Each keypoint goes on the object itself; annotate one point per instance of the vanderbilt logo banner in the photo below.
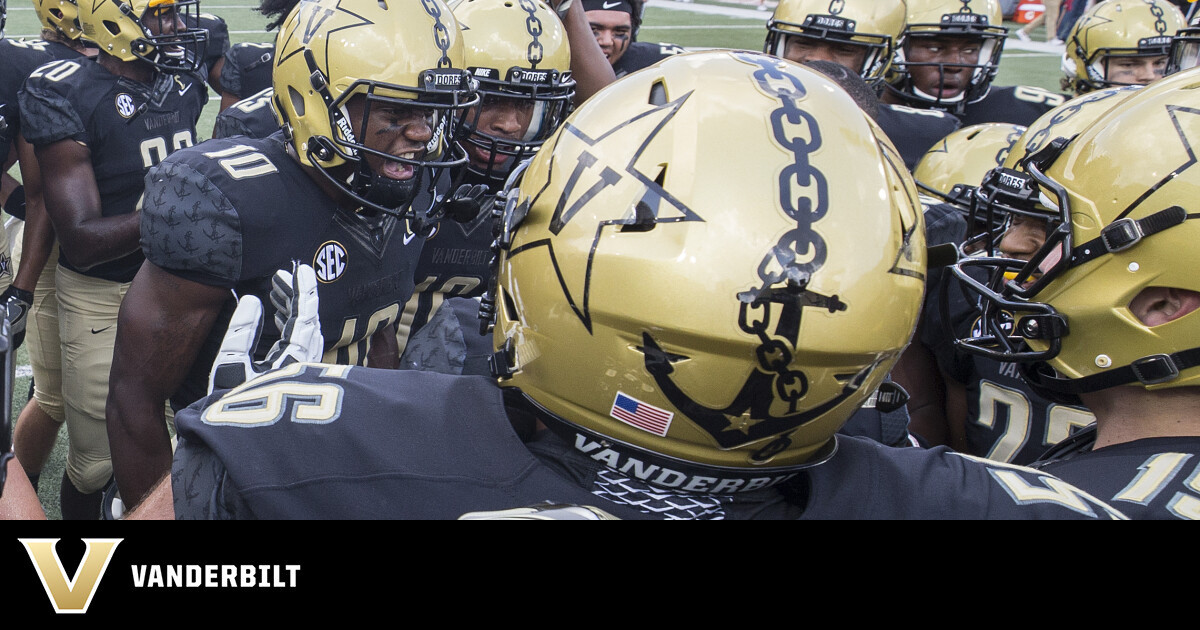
(70, 594)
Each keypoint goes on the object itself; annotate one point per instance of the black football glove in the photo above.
(17, 303)
(467, 202)
(301, 339)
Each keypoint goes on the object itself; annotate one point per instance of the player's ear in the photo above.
(1159, 305)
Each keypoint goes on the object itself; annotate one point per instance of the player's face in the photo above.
(613, 31)
(949, 80)
(164, 19)
(394, 129)
(502, 118)
(801, 49)
(1135, 70)
(1024, 237)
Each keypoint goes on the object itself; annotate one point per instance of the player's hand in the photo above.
(467, 202)
(17, 303)
(300, 341)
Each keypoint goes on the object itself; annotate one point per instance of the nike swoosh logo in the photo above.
(408, 237)
(608, 5)
(184, 90)
(97, 332)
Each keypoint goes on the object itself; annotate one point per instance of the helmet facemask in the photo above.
(439, 107)
(982, 71)
(1185, 50)
(833, 31)
(515, 116)
(168, 42)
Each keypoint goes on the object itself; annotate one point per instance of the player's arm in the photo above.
(73, 205)
(917, 372)
(18, 501)
(163, 322)
(384, 351)
(38, 238)
(588, 64)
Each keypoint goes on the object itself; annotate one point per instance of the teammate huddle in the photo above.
(496, 278)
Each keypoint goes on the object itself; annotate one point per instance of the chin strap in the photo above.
(1152, 369)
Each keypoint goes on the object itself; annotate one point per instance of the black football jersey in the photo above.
(643, 55)
(360, 443)
(1151, 478)
(218, 39)
(914, 131)
(1006, 420)
(454, 263)
(252, 117)
(1014, 104)
(231, 212)
(126, 128)
(18, 59)
(247, 68)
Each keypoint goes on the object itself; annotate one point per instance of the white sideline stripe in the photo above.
(24, 370)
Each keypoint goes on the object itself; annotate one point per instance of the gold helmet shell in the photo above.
(1117, 28)
(964, 156)
(708, 324)
(874, 25)
(61, 16)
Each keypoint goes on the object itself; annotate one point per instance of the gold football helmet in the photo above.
(956, 164)
(1006, 191)
(872, 25)
(398, 56)
(61, 16)
(519, 54)
(980, 20)
(1115, 29)
(1116, 231)
(154, 31)
(707, 325)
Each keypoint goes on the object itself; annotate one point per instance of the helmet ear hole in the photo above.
(112, 27)
(658, 94)
(297, 101)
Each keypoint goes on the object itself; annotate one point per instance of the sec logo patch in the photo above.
(125, 106)
(330, 261)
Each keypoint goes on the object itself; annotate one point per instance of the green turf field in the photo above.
(664, 22)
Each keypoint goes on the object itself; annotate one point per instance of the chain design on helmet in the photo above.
(441, 34)
(1160, 25)
(748, 417)
(1043, 136)
(533, 26)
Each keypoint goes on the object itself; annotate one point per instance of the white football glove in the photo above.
(300, 339)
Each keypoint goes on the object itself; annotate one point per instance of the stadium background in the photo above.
(693, 25)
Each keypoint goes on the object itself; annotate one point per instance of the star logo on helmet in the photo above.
(590, 189)
(311, 19)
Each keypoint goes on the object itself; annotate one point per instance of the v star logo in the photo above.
(595, 198)
(73, 595)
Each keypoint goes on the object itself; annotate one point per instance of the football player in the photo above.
(370, 98)
(675, 337)
(947, 58)
(1104, 313)
(31, 298)
(99, 126)
(860, 35)
(519, 54)
(615, 25)
(246, 66)
(1120, 42)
